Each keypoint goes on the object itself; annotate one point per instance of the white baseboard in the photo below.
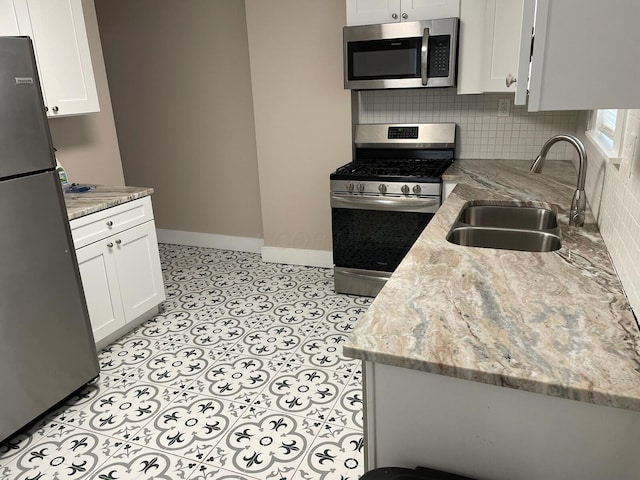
(210, 240)
(291, 256)
(298, 256)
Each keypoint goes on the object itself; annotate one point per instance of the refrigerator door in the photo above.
(46, 345)
(25, 142)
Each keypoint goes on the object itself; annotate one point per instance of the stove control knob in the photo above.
(349, 187)
(404, 189)
(382, 188)
(417, 189)
(361, 187)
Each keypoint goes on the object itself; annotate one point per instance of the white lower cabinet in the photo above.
(121, 274)
(101, 289)
(486, 431)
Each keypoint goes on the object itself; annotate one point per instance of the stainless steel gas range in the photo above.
(384, 198)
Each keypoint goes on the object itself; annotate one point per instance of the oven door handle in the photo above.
(390, 204)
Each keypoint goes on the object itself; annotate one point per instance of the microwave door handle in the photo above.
(424, 56)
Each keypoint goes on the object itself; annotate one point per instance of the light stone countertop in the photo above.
(554, 323)
(100, 198)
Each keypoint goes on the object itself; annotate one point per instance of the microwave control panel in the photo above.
(439, 50)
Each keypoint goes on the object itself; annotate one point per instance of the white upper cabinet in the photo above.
(61, 46)
(490, 32)
(365, 12)
(586, 55)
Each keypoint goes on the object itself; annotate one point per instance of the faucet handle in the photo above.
(578, 207)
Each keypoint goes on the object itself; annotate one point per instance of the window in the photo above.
(605, 129)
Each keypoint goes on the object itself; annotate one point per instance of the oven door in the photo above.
(371, 236)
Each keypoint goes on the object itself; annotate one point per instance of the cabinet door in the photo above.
(139, 272)
(489, 48)
(101, 289)
(585, 55)
(8, 19)
(503, 21)
(413, 10)
(366, 12)
(58, 32)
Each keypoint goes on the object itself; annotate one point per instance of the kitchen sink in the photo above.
(504, 238)
(509, 216)
(508, 227)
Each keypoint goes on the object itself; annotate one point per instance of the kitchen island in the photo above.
(456, 325)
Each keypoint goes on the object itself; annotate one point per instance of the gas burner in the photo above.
(394, 170)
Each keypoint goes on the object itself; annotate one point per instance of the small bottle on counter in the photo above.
(62, 174)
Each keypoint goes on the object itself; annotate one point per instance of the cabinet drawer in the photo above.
(97, 226)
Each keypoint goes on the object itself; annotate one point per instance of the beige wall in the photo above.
(87, 144)
(302, 115)
(181, 92)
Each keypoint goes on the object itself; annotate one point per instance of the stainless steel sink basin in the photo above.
(508, 216)
(508, 227)
(504, 238)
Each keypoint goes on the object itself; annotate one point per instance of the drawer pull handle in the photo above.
(110, 244)
(118, 242)
(109, 223)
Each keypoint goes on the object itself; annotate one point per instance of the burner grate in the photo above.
(404, 168)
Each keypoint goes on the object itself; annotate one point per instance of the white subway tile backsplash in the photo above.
(615, 200)
(481, 133)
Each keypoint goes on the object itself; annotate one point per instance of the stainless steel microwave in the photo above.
(401, 55)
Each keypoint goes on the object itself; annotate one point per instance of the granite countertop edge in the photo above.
(561, 323)
(101, 197)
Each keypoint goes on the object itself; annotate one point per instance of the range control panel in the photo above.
(402, 132)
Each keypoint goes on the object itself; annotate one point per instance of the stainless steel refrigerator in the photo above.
(46, 345)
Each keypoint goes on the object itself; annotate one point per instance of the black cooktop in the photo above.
(402, 170)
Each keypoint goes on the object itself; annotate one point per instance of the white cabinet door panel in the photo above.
(489, 48)
(59, 35)
(139, 272)
(585, 55)
(101, 289)
(502, 45)
(366, 12)
(428, 9)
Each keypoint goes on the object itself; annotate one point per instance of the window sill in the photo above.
(602, 144)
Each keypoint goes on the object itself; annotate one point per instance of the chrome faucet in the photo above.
(579, 201)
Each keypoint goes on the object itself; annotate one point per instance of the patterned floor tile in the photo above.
(124, 356)
(73, 454)
(133, 462)
(166, 324)
(240, 376)
(190, 427)
(265, 444)
(337, 454)
(209, 472)
(304, 391)
(348, 410)
(176, 366)
(124, 409)
(326, 352)
(295, 313)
